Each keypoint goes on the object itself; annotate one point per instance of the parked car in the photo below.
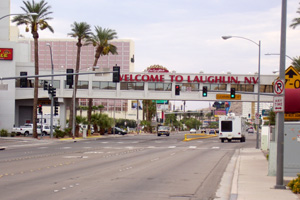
(193, 130)
(212, 132)
(163, 130)
(118, 130)
(250, 130)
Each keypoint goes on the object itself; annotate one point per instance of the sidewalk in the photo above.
(251, 181)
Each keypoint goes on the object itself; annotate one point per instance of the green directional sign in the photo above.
(161, 101)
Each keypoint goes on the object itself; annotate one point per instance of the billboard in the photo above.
(6, 54)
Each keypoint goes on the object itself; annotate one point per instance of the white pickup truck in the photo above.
(27, 130)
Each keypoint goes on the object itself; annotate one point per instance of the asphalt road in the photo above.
(143, 167)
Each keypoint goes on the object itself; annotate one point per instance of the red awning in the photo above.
(292, 101)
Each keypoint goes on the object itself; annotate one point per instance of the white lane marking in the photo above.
(75, 157)
(215, 147)
(104, 142)
(94, 152)
(127, 168)
(43, 147)
(151, 147)
(87, 147)
(129, 147)
(56, 190)
(66, 147)
(172, 147)
(192, 147)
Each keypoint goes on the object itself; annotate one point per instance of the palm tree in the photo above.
(82, 32)
(296, 21)
(100, 41)
(35, 23)
(296, 63)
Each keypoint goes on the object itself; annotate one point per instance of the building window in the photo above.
(190, 87)
(243, 87)
(56, 83)
(266, 89)
(160, 86)
(215, 86)
(83, 85)
(104, 85)
(132, 86)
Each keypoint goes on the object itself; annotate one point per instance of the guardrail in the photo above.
(202, 136)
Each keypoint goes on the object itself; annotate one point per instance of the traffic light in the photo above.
(204, 91)
(45, 85)
(70, 77)
(56, 104)
(116, 74)
(49, 89)
(177, 90)
(23, 81)
(232, 93)
(40, 109)
(53, 92)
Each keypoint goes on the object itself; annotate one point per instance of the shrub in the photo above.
(61, 134)
(294, 185)
(3, 133)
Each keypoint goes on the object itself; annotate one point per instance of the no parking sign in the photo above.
(279, 87)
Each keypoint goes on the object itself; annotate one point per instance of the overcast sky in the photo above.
(185, 35)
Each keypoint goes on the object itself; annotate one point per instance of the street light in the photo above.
(258, 82)
(52, 70)
(27, 14)
(278, 54)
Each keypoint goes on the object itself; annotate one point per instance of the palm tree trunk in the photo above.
(79, 45)
(36, 83)
(97, 56)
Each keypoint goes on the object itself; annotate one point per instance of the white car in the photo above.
(193, 130)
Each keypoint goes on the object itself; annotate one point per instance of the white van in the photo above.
(232, 127)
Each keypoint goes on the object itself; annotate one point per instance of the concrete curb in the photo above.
(225, 188)
(234, 187)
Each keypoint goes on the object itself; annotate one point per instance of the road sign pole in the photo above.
(280, 115)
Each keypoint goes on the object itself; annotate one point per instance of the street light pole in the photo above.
(278, 54)
(51, 112)
(258, 82)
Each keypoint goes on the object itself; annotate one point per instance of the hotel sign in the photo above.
(6, 54)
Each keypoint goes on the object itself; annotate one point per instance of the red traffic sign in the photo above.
(278, 87)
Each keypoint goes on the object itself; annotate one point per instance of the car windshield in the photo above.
(163, 128)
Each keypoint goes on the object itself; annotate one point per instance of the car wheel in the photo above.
(229, 140)
(26, 134)
(168, 134)
(222, 140)
(158, 135)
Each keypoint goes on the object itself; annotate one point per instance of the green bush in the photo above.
(3, 133)
(61, 134)
(294, 185)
